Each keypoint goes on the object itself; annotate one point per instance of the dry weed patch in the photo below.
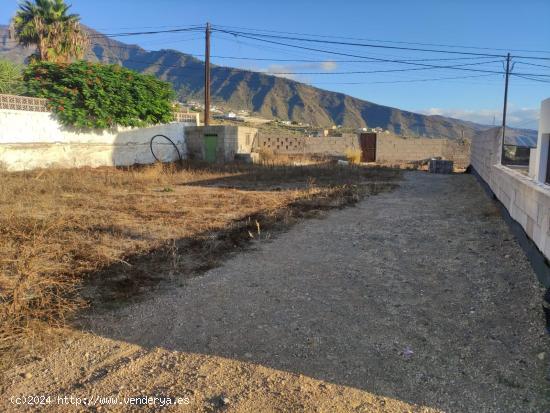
(69, 238)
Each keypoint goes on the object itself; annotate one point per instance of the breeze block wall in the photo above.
(389, 148)
(308, 145)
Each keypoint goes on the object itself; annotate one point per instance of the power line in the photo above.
(365, 58)
(302, 39)
(372, 58)
(280, 73)
(409, 80)
(386, 41)
(415, 62)
(332, 60)
(193, 28)
(298, 60)
(121, 60)
(530, 78)
(244, 34)
(126, 34)
(381, 71)
(346, 83)
(370, 45)
(143, 27)
(532, 64)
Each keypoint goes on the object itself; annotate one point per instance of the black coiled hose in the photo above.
(169, 140)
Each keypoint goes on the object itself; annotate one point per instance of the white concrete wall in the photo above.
(543, 144)
(30, 140)
(527, 200)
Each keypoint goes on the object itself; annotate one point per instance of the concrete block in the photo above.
(440, 166)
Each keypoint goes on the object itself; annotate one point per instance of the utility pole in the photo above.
(207, 77)
(508, 58)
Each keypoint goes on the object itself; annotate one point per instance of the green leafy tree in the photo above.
(11, 78)
(48, 25)
(91, 95)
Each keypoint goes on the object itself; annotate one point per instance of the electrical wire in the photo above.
(386, 41)
(384, 60)
(381, 71)
(116, 60)
(126, 34)
(190, 29)
(369, 45)
(532, 64)
(267, 38)
(530, 78)
(411, 80)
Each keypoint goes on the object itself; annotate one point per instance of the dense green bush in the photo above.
(91, 95)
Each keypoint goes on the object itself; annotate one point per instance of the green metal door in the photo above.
(210, 148)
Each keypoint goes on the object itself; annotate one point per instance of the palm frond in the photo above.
(48, 25)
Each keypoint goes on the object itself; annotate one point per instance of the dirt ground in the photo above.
(85, 236)
(416, 300)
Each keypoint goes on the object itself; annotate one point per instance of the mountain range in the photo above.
(266, 95)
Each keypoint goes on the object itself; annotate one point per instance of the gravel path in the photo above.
(415, 300)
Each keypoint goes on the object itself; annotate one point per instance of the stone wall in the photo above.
(30, 140)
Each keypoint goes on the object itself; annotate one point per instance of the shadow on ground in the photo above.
(276, 177)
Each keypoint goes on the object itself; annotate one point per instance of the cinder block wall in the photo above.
(527, 201)
(459, 152)
(390, 148)
(333, 146)
(30, 140)
(296, 145)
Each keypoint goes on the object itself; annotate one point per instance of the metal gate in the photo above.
(368, 147)
(210, 148)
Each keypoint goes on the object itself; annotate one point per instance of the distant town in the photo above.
(222, 113)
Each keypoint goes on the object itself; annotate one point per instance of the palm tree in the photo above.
(58, 35)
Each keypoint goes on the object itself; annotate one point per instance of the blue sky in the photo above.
(506, 24)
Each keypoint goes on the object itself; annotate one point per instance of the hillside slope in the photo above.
(265, 95)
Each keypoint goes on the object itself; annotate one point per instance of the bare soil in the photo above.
(416, 300)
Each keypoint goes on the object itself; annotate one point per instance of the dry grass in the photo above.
(69, 238)
(354, 156)
(269, 157)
